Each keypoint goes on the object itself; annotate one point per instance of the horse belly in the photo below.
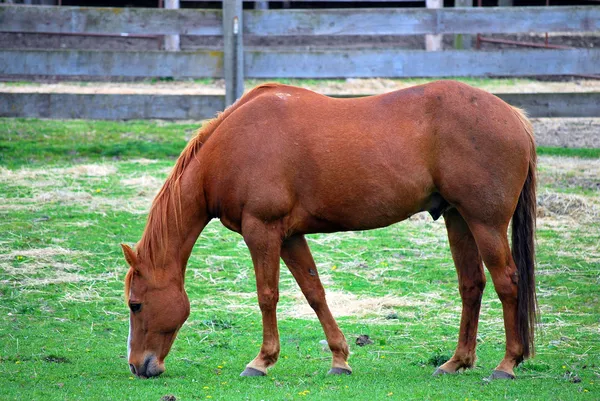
(368, 204)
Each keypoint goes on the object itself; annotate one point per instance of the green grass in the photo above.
(591, 153)
(71, 191)
(27, 141)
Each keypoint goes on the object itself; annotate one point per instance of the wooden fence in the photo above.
(199, 107)
(401, 21)
(236, 62)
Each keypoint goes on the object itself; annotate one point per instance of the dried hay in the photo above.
(569, 172)
(63, 196)
(38, 267)
(552, 204)
(41, 253)
(342, 304)
(25, 177)
(348, 304)
(53, 177)
(91, 170)
(83, 295)
(146, 185)
(142, 161)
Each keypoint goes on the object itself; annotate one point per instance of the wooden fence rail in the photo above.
(301, 22)
(199, 107)
(303, 64)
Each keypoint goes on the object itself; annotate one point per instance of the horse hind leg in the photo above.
(471, 282)
(296, 255)
(264, 243)
(495, 251)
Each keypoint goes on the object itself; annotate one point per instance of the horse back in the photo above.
(327, 164)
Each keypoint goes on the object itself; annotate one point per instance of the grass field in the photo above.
(70, 192)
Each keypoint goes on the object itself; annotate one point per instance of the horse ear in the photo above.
(130, 255)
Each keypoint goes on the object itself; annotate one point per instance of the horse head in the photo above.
(158, 307)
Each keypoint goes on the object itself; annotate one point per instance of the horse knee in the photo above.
(472, 291)
(315, 299)
(267, 300)
(505, 285)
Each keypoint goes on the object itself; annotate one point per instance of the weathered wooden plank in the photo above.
(302, 22)
(417, 63)
(304, 64)
(110, 20)
(110, 107)
(423, 21)
(556, 104)
(109, 63)
(198, 107)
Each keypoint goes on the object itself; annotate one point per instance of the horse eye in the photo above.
(135, 307)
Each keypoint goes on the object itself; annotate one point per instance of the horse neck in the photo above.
(177, 217)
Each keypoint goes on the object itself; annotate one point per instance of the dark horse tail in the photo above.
(523, 249)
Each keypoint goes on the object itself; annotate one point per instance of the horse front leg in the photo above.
(264, 242)
(296, 255)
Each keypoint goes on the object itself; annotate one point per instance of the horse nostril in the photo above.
(132, 368)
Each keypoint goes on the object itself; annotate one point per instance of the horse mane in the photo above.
(169, 196)
(156, 232)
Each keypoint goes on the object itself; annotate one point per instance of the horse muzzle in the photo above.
(149, 368)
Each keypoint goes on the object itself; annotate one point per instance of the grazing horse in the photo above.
(283, 162)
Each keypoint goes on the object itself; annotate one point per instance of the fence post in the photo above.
(433, 42)
(172, 41)
(463, 41)
(233, 52)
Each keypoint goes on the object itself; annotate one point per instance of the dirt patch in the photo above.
(56, 359)
(363, 340)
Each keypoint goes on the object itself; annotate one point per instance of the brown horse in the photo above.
(283, 162)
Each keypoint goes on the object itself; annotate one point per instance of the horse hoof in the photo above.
(498, 374)
(339, 371)
(252, 372)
